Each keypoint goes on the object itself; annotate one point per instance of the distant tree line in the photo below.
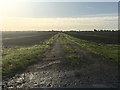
(101, 30)
(95, 30)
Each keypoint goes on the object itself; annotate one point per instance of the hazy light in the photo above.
(12, 23)
(15, 16)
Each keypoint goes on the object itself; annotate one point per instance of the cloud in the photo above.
(83, 23)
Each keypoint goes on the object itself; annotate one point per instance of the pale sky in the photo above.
(58, 16)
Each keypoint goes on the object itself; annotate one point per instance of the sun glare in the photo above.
(11, 19)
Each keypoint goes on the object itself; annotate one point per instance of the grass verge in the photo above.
(17, 59)
(106, 50)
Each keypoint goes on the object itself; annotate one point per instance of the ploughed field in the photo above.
(58, 59)
(98, 36)
(25, 38)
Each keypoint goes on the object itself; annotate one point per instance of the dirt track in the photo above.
(55, 70)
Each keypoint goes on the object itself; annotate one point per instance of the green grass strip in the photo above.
(15, 60)
(107, 50)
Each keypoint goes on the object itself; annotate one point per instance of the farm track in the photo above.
(55, 70)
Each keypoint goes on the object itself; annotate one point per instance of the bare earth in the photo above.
(55, 71)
